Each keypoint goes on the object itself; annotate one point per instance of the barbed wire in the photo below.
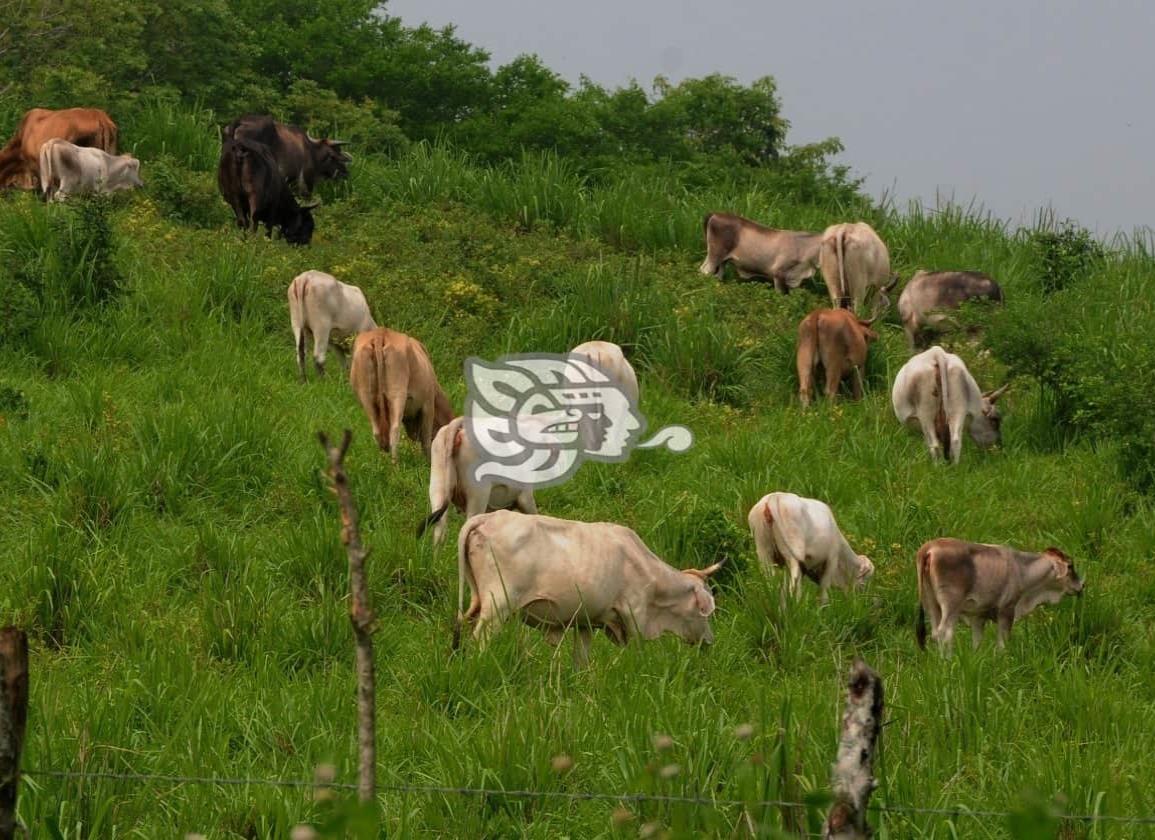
(580, 796)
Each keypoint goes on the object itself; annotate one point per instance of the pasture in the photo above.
(168, 541)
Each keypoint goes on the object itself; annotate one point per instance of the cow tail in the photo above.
(942, 427)
(442, 476)
(463, 571)
(379, 394)
(920, 625)
(299, 291)
(840, 251)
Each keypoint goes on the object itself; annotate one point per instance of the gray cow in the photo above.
(928, 293)
(785, 256)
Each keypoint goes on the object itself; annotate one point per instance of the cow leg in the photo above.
(856, 383)
(525, 502)
(833, 380)
(780, 285)
(977, 627)
(946, 626)
(1006, 622)
(396, 413)
(581, 647)
(320, 345)
(299, 339)
(957, 424)
(926, 421)
(426, 432)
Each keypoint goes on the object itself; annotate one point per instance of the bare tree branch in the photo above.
(854, 769)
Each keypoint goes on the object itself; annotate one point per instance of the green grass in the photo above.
(170, 546)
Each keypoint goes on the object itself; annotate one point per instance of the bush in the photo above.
(83, 270)
(19, 309)
(1064, 255)
(184, 196)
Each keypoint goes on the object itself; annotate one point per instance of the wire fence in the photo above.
(579, 796)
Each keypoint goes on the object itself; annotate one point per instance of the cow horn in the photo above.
(998, 392)
(338, 142)
(706, 572)
(893, 282)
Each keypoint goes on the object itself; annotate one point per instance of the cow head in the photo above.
(131, 172)
(865, 572)
(986, 430)
(1066, 580)
(329, 158)
(299, 229)
(687, 611)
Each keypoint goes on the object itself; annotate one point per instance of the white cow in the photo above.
(610, 360)
(853, 259)
(451, 481)
(67, 169)
(801, 535)
(321, 304)
(936, 393)
(586, 575)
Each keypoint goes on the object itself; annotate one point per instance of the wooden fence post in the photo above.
(854, 769)
(13, 716)
(361, 616)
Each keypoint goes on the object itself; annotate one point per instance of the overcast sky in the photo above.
(1019, 104)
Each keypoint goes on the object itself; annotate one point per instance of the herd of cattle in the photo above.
(563, 575)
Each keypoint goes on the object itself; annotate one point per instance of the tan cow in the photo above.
(785, 256)
(20, 157)
(801, 535)
(322, 305)
(393, 378)
(451, 481)
(67, 169)
(853, 261)
(610, 360)
(560, 574)
(837, 339)
(927, 293)
(986, 583)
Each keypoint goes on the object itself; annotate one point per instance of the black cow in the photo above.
(300, 158)
(252, 185)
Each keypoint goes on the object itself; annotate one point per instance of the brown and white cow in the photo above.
(452, 481)
(393, 378)
(559, 574)
(838, 340)
(322, 305)
(801, 535)
(610, 360)
(67, 169)
(854, 260)
(986, 583)
(929, 292)
(785, 256)
(20, 157)
(936, 393)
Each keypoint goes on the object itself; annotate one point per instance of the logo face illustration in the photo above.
(533, 418)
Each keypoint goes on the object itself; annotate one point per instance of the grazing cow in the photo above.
(20, 158)
(451, 481)
(250, 182)
(929, 291)
(610, 360)
(587, 575)
(321, 304)
(986, 583)
(300, 158)
(393, 378)
(936, 393)
(801, 535)
(853, 260)
(838, 340)
(67, 169)
(785, 256)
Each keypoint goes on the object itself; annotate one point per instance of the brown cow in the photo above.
(393, 378)
(785, 256)
(986, 583)
(20, 158)
(837, 339)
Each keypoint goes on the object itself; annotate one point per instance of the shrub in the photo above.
(184, 196)
(83, 270)
(19, 309)
(1064, 255)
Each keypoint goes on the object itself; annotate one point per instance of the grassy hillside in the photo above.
(167, 539)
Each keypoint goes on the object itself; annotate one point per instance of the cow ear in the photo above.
(1059, 562)
(704, 601)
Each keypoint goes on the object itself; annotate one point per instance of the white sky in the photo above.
(1019, 104)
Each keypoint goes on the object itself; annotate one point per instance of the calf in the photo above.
(393, 378)
(930, 291)
(801, 535)
(451, 481)
(586, 575)
(610, 360)
(936, 393)
(785, 256)
(986, 583)
(322, 305)
(838, 340)
(67, 169)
